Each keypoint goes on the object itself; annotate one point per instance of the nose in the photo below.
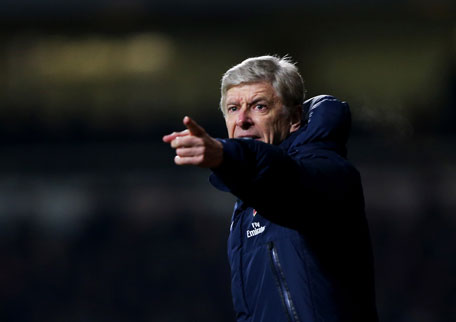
(243, 119)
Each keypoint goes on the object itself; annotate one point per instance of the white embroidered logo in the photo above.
(257, 229)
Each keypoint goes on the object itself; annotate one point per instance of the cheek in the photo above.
(266, 127)
(272, 123)
(278, 125)
(229, 127)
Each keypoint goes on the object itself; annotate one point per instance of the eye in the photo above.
(231, 109)
(260, 107)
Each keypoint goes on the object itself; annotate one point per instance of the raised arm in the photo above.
(275, 183)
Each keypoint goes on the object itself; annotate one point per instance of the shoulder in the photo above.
(324, 99)
(325, 126)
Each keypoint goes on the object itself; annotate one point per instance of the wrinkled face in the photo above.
(255, 110)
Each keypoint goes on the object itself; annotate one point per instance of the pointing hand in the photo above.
(194, 146)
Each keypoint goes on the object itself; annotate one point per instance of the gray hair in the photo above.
(280, 72)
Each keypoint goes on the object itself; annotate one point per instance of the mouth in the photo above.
(248, 137)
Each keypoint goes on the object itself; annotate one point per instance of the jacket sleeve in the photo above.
(277, 184)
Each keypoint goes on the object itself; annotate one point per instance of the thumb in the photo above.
(194, 128)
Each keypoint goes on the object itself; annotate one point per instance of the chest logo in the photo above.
(257, 229)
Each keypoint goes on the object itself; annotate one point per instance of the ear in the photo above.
(295, 118)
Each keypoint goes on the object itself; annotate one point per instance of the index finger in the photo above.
(170, 137)
(194, 128)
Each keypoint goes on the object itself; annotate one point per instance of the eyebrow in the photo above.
(231, 102)
(259, 99)
(256, 100)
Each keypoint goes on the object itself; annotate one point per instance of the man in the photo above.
(299, 245)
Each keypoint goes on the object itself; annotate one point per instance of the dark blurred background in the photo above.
(97, 224)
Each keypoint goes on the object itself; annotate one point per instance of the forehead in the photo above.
(249, 91)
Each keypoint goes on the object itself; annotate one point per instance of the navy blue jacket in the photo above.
(299, 247)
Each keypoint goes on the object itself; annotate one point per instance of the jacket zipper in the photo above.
(282, 284)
